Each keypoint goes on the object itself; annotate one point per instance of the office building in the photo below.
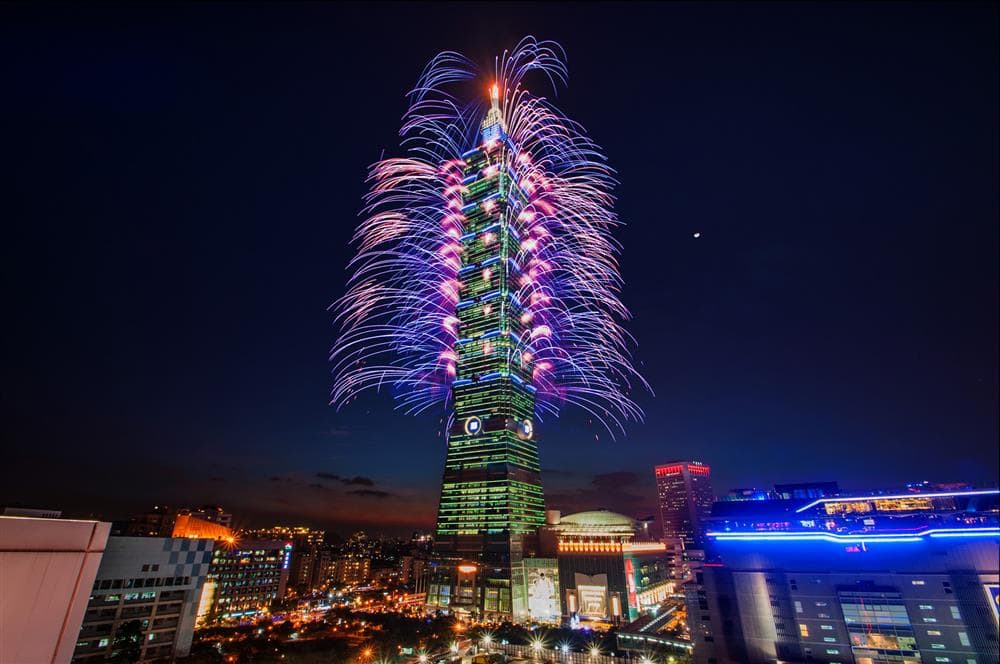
(47, 567)
(684, 494)
(244, 580)
(908, 577)
(144, 599)
(311, 558)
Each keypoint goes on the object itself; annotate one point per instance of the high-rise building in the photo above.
(245, 579)
(491, 496)
(144, 600)
(894, 577)
(47, 567)
(311, 558)
(684, 491)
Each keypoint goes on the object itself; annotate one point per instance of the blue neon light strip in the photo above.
(461, 381)
(471, 178)
(854, 539)
(861, 499)
(469, 153)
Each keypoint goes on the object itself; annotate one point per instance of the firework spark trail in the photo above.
(397, 319)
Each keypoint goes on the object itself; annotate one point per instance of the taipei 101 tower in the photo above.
(486, 288)
(491, 496)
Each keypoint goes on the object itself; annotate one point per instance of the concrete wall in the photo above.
(47, 569)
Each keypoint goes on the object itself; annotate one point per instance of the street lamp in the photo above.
(564, 648)
(422, 658)
(594, 651)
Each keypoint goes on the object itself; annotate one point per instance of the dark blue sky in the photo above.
(180, 183)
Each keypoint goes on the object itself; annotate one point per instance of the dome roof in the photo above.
(601, 520)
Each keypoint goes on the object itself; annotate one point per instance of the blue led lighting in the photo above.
(471, 178)
(461, 381)
(861, 499)
(469, 153)
(853, 539)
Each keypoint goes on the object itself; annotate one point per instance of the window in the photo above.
(955, 614)
(937, 646)
(918, 582)
(829, 639)
(102, 643)
(803, 630)
(933, 632)
(832, 651)
(942, 659)
(826, 627)
(798, 607)
(963, 638)
(820, 603)
(156, 568)
(926, 607)
(145, 568)
(931, 620)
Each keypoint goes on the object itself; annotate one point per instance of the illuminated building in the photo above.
(160, 521)
(144, 600)
(486, 287)
(802, 490)
(311, 558)
(606, 572)
(892, 577)
(350, 570)
(491, 495)
(246, 578)
(47, 567)
(186, 525)
(684, 493)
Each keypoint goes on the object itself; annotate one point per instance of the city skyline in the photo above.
(809, 253)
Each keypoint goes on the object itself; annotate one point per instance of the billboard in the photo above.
(543, 593)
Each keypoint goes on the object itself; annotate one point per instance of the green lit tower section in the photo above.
(491, 497)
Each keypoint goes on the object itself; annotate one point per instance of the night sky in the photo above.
(180, 184)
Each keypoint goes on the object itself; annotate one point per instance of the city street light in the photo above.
(422, 658)
(565, 648)
(594, 651)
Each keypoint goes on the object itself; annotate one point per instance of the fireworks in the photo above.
(399, 319)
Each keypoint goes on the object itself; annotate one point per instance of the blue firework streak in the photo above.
(398, 324)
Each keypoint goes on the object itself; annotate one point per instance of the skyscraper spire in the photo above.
(493, 123)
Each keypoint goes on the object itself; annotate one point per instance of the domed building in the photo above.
(607, 572)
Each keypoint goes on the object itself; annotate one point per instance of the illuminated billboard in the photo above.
(543, 593)
(592, 595)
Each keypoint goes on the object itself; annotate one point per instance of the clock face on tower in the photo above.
(473, 425)
(525, 429)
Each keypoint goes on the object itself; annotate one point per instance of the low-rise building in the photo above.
(143, 600)
(911, 577)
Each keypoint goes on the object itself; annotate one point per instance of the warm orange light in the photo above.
(495, 91)
(467, 569)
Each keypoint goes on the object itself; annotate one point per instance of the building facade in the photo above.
(684, 495)
(491, 495)
(144, 599)
(890, 578)
(244, 580)
(47, 567)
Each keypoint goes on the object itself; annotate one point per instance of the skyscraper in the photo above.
(491, 495)
(685, 496)
(486, 285)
